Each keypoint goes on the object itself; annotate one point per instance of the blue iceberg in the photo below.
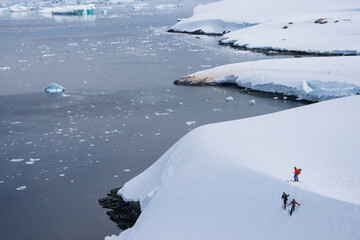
(54, 88)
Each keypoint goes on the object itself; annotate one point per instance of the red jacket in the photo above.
(297, 171)
(293, 203)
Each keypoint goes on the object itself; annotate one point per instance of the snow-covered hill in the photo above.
(315, 26)
(312, 79)
(225, 180)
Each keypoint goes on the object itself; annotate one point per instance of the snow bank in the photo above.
(225, 180)
(281, 25)
(311, 79)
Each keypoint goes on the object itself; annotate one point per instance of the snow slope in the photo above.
(282, 24)
(312, 79)
(225, 180)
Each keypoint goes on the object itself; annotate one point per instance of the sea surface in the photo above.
(119, 114)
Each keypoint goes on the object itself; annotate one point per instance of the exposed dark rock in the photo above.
(123, 213)
(285, 27)
(272, 52)
(321, 20)
(197, 32)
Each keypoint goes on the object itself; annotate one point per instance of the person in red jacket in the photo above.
(296, 173)
(292, 203)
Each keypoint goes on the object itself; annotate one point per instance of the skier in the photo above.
(296, 173)
(285, 198)
(292, 203)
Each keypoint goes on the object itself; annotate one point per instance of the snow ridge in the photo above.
(225, 180)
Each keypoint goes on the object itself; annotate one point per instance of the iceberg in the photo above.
(18, 8)
(54, 88)
(75, 10)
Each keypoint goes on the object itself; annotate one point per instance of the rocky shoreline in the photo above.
(273, 52)
(123, 213)
(266, 51)
(197, 32)
(191, 81)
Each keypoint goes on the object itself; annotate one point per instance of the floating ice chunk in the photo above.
(54, 88)
(62, 175)
(34, 159)
(103, 11)
(140, 6)
(18, 8)
(115, 176)
(29, 163)
(28, 143)
(190, 123)
(1, 182)
(229, 99)
(168, 6)
(252, 102)
(17, 160)
(275, 98)
(127, 170)
(216, 109)
(49, 55)
(21, 188)
(161, 114)
(4, 68)
(72, 44)
(13, 123)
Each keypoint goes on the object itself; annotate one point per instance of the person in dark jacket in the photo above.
(285, 198)
(292, 203)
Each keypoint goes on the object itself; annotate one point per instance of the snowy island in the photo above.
(225, 180)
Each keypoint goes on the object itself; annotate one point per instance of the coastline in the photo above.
(267, 51)
(197, 82)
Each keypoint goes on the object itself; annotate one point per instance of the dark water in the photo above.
(120, 112)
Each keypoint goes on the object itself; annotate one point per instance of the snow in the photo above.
(225, 180)
(311, 79)
(280, 25)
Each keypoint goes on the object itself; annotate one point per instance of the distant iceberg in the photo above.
(75, 10)
(54, 88)
(18, 8)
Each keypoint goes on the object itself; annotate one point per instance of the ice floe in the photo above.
(22, 188)
(17, 160)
